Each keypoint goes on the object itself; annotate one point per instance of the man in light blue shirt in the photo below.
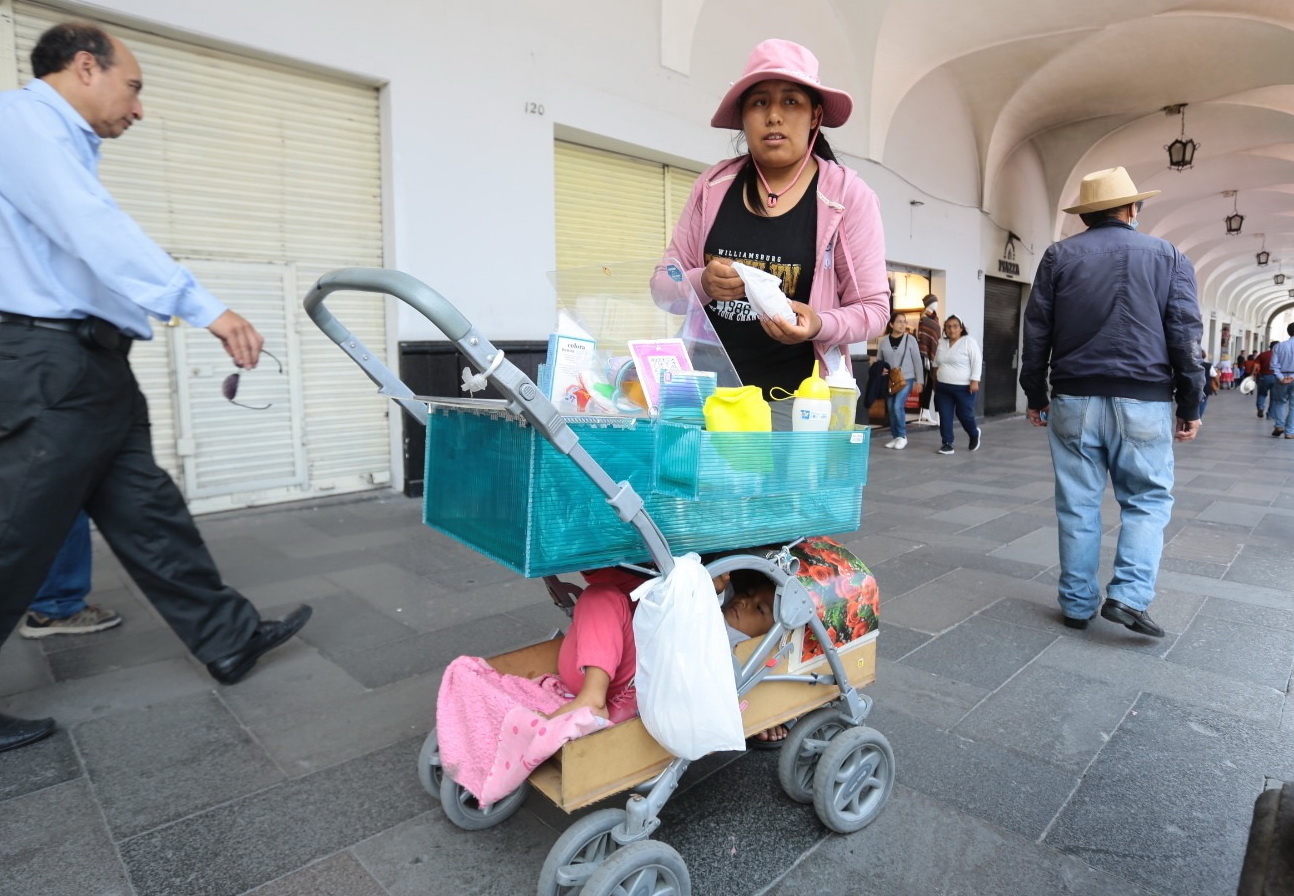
(78, 282)
(1283, 387)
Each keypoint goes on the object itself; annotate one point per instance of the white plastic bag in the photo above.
(687, 691)
(764, 292)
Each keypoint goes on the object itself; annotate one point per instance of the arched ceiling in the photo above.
(1085, 85)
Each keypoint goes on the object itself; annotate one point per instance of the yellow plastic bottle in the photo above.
(811, 410)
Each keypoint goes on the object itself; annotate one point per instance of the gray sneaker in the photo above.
(91, 619)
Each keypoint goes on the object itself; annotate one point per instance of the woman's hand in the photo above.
(807, 325)
(721, 282)
(974, 386)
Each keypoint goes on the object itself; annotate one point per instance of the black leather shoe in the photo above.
(1074, 622)
(15, 733)
(1137, 620)
(268, 635)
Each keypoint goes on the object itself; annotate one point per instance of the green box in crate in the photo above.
(498, 486)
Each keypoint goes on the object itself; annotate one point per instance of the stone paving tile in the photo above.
(1257, 567)
(23, 667)
(303, 681)
(242, 844)
(1237, 591)
(903, 574)
(1154, 675)
(896, 641)
(43, 764)
(1206, 543)
(351, 726)
(1237, 650)
(117, 648)
(76, 701)
(938, 606)
(873, 549)
(429, 855)
(345, 622)
(1060, 717)
(1194, 567)
(980, 652)
(940, 701)
(1234, 513)
(166, 761)
(920, 846)
(77, 861)
(434, 650)
(337, 875)
(982, 779)
(1170, 798)
(1235, 611)
(1039, 547)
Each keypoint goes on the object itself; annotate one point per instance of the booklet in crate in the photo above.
(844, 593)
(652, 357)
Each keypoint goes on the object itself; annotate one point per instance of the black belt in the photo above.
(91, 331)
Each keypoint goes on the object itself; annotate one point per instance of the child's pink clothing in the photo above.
(602, 635)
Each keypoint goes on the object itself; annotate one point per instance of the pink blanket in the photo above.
(490, 729)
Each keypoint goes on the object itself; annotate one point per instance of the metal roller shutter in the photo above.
(260, 178)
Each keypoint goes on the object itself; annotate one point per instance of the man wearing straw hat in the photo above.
(1114, 315)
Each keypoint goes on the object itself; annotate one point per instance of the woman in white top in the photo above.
(899, 349)
(958, 365)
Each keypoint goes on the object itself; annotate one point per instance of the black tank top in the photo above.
(784, 246)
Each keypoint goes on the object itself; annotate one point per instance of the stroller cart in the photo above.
(546, 494)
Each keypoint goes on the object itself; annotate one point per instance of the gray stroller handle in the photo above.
(524, 397)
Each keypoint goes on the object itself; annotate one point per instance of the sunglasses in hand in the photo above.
(229, 388)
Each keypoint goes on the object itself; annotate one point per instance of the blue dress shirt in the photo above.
(1283, 359)
(66, 249)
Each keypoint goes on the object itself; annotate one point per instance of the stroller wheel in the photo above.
(580, 851)
(645, 868)
(430, 771)
(853, 780)
(463, 810)
(804, 745)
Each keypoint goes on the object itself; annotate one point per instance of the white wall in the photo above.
(469, 186)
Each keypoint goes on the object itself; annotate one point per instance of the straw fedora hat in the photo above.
(1109, 188)
(782, 60)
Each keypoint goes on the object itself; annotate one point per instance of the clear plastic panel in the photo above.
(617, 302)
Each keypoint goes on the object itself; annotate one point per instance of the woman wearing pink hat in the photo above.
(788, 207)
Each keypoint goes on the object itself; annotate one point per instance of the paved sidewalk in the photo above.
(1032, 759)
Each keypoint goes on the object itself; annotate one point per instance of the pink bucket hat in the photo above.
(782, 60)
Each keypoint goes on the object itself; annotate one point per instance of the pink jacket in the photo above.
(850, 285)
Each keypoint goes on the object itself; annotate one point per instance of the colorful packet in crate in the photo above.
(844, 593)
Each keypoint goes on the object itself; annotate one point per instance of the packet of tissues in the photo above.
(764, 292)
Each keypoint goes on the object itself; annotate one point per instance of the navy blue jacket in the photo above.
(1114, 312)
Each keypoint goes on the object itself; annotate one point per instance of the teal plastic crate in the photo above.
(499, 487)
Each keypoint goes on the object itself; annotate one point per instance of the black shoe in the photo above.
(15, 733)
(945, 448)
(1277, 432)
(974, 441)
(1137, 620)
(1261, 415)
(1073, 622)
(268, 635)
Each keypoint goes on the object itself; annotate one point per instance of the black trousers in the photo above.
(74, 432)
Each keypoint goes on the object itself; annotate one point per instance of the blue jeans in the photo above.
(1283, 405)
(898, 414)
(1265, 383)
(68, 582)
(950, 400)
(1131, 443)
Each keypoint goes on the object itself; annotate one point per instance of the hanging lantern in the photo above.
(1235, 220)
(1181, 152)
(1280, 279)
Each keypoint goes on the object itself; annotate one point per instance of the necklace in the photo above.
(773, 197)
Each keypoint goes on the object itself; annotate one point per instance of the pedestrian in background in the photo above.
(900, 351)
(1283, 387)
(1266, 379)
(958, 366)
(1114, 316)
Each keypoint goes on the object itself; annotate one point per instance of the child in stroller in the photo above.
(597, 659)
